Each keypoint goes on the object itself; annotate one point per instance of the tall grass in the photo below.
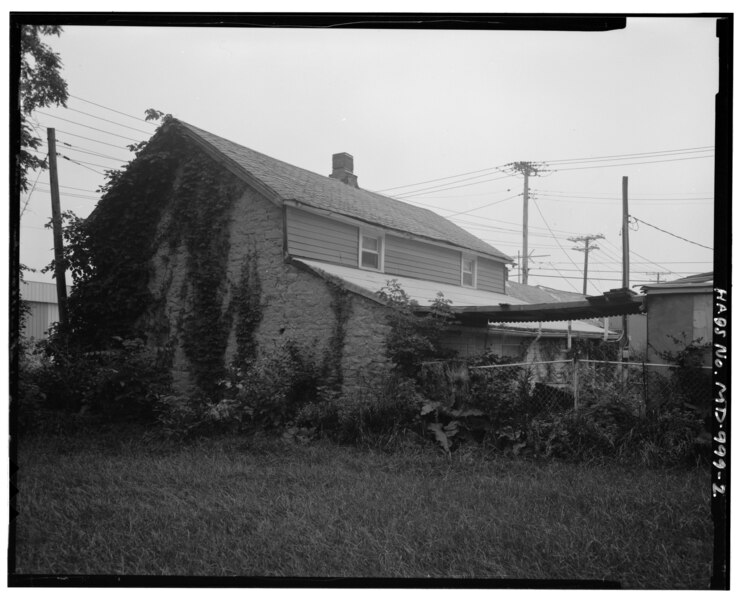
(271, 508)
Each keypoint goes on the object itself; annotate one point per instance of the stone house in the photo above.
(237, 254)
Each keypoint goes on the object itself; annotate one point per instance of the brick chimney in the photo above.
(342, 167)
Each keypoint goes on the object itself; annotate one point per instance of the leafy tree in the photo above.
(41, 85)
(414, 338)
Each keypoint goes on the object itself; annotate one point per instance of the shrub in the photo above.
(380, 413)
(120, 384)
(414, 338)
(265, 393)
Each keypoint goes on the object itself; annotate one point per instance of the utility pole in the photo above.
(519, 262)
(527, 169)
(56, 220)
(658, 274)
(626, 259)
(588, 247)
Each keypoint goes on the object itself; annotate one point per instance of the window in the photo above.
(371, 248)
(468, 271)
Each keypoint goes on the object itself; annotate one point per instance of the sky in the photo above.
(432, 118)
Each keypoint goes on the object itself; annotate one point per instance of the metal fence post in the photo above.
(576, 384)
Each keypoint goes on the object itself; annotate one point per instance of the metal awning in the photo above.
(610, 304)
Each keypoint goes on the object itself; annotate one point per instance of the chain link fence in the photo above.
(550, 387)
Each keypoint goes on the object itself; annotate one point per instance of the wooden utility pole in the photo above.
(626, 257)
(56, 220)
(658, 274)
(588, 247)
(527, 169)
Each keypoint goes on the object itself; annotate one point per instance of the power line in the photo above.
(33, 187)
(72, 195)
(92, 139)
(87, 126)
(83, 165)
(632, 155)
(567, 277)
(463, 212)
(556, 239)
(591, 199)
(647, 162)
(82, 112)
(98, 154)
(562, 277)
(611, 195)
(656, 153)
(440, 179)
(113, 110)
(670, 233)
(443, 188)
(640, 256)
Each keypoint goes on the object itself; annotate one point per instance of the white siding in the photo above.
(490, 276)
(312, 236)
(410, 258)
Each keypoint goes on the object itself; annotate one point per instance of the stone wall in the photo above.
(295, 305)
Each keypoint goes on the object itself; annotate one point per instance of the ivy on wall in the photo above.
(341, 306)
(112, 251)
(247, 309)
(109, 253)
(203, 199)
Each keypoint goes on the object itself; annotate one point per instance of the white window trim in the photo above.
(381, 248)
(464, 258)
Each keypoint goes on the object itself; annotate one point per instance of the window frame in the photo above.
(371, 234)
(474, 272)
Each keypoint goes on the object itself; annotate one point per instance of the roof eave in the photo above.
(232, 166)
(591, 308)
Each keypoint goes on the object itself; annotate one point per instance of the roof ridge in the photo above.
(290, 182)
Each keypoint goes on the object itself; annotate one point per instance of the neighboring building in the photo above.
(679, 312)
(41, 299)
(312, 252)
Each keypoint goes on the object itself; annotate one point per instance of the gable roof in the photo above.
(287, 182)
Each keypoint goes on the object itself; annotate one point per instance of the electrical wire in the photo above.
(92, 140)
(82, 112)
(33, 187)
(88, 126)
(112, 110)
(83, 165)
(695, 150)
(440, 179)
(78, 149)
(463, 212)
(556, 239)
(647, 162)
(443, 188)
(670, 233)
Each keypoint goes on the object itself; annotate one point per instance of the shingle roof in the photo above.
(318, 191)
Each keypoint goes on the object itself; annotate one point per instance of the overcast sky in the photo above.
(415, 106)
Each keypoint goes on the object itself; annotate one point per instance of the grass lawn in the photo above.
(251, 507)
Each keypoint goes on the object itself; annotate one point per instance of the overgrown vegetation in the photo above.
(60, 389)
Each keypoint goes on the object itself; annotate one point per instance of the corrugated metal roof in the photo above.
(368, 283)
(419, 290)
(699, 282)
(294, 183)
(536, 294)
(577, 327)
